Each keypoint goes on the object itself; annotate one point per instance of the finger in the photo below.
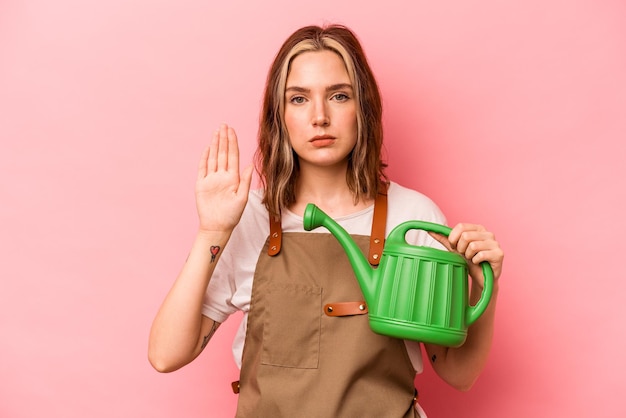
(442, 239)
(233, 151)
(461, 235)
(455, 235)
(474, 248)
(470, 240)
(222, 150)
(202, 170)
(212, 158)
(494, 257)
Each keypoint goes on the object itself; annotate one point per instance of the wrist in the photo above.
(213, 237)
(208, 244)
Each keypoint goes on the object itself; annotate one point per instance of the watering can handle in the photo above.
(473, 312)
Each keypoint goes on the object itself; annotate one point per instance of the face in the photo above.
(320, 110)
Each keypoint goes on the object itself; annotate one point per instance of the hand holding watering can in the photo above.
(476, 245)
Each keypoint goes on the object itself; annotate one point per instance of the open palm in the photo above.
(221, 192)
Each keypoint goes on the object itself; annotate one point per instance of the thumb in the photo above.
(442, 239)
(245, 180)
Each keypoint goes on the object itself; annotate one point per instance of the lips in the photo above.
(322, 140)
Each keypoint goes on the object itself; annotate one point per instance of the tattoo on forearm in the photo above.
(215, 249)
(207, 337)
(433, 358)
(205, 341)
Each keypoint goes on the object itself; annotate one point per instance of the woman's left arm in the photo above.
(460, 367)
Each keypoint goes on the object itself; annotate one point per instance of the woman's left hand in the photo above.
(476, 245)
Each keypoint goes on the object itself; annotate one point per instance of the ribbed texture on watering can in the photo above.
(422, 298)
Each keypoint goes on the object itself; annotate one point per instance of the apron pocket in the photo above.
(291, 328)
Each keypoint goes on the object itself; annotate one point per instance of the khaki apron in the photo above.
(305, 354)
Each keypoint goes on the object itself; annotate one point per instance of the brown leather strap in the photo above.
(377, 236)
(276, 236)
(345, 308)
(379, 225)
(235, 386)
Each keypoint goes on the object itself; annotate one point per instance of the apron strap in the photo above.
(276, 236)
(377, 236)
(379, 226)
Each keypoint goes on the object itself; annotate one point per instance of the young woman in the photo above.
(304, 346)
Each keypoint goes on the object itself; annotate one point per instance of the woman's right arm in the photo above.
(180, 332)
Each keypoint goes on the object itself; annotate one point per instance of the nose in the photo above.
(320, 115)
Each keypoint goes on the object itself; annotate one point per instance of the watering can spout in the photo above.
(314, 217)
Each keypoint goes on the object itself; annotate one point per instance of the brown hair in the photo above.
(276, 162)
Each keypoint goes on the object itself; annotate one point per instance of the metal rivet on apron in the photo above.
(329, 309)
(375, 256)
(275, 235)
(273, 248)
(376, 241)
(361, 307)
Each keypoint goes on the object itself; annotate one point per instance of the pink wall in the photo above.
(511, 115)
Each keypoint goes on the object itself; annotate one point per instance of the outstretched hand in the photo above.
(221, 192)
(476, 245)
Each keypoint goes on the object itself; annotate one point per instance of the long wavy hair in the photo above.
(276, 162)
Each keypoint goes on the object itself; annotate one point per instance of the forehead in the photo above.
(315, 67)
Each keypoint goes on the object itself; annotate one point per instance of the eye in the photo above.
(341, 97)
(297, 100)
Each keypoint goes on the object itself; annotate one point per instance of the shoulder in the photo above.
(409, 204)
(405, 204)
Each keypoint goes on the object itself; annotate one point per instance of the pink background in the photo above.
(510, 114)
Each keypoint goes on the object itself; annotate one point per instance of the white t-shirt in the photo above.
(230, 287)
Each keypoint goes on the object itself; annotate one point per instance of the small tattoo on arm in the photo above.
(215, 249)
(207, 337)
(205, 341)
(433, 358)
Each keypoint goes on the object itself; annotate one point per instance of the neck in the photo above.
(327, 188)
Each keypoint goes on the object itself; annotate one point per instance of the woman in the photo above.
(304, 346)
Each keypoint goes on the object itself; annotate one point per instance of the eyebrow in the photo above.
(339, 86)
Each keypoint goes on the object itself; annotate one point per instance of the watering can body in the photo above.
(416, 293)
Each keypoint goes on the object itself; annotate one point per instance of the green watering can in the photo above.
(416, 293)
